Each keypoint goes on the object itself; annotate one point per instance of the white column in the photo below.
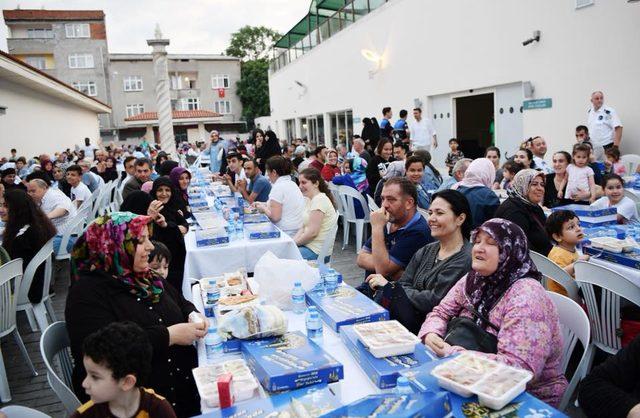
(149, 136)
(298, 128)
(202, 133)
(328, 139)
(163, 98)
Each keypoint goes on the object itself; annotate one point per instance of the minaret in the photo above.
(163, 98)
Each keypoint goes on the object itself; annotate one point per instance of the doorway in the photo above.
(475, 124)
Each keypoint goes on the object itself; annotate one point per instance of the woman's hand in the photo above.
(154, 209)
(186, 333)
(437, 344)
(376, 281)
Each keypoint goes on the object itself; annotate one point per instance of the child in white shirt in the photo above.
(613, 186)
(581, 185)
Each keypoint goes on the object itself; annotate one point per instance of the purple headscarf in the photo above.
(514, 263)
(175, 179)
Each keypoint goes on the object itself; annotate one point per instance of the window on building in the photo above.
(86, 87)
(176, 82)
(222, 106)
(38, 62)
(134, 109)
(39, 33)
(220, 81)
(192, 103)
(133, 83)
(80, 61)
(77, 30)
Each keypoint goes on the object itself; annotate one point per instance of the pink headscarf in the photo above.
(481, 172)
(146, 186)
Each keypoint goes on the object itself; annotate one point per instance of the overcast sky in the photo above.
(194, 26)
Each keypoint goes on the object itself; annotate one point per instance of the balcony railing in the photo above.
(328, 25)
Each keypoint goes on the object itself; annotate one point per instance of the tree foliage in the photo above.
(252, 45)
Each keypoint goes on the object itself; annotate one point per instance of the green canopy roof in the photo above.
(319, 11)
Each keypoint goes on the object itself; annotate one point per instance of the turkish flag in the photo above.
(221, 93)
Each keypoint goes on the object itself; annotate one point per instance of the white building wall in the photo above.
(437, 47)
(36, 123)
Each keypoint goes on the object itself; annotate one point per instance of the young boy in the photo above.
(563, 227)
(117, 359)
(453, 156)
(159, 259)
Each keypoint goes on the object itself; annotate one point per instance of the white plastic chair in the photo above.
(372, 204)
(73, 227)
(337, 199)
(575, 327)
(8, 298)
(55, 343)
(18, 411)
(631, 162)
(328, 242)
(38, 310)
(605, 316)
(349, 196)
(552, 271)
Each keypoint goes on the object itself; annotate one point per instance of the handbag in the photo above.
(464, 332)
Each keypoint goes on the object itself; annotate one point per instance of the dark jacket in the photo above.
(551, 199)
(131, 185)
(613, 387)
(424, 283)
(97, 299)
(483, 203)
(373, 174)
(531, 219)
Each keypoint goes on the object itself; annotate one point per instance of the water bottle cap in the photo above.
(297, 283)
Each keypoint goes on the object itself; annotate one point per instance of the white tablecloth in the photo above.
(355, 384)
(631, 274)
(218, 259)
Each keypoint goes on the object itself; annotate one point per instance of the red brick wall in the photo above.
(98, 30)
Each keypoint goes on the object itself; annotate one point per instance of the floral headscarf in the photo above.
(109, 244)
(521, 184)
(358, 174)
(514, 263)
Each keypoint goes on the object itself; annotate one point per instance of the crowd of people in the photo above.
(445, 254)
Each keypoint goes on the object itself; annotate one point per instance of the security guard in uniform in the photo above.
(605, 128)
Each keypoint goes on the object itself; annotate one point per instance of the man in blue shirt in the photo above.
(397, 232)
(259, 188)
(400, 127)
(385, 123)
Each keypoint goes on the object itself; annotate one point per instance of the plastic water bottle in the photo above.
(314, 325)
(240, 227)
(330, 282)
(297, 297)
(213, 344)
(213, 294)
(403, 387)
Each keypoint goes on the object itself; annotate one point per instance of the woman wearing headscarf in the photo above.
(268, 147)
(502, 295)
(476, 186)
(171, 228)
(181, 178)
(435, 268)
(112, 282)
(161, 157)
(167, 166)
(522, 207)
(107, 169)
(47, 170)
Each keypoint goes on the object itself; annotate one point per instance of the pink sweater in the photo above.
(529, 338)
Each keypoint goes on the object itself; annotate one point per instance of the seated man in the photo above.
(234, 172)
(458, 171)
(79, 191)
(56, 205)
(141, 176)
(398, 231)
(259, 188)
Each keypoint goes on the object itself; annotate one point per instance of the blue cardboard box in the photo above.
(254, 218)
(316, 400)
(383, 372)
(630, 259)
(590, 217)
(523, 405)
(290, 362)
(423, 405)
(198, 203)
(605, 231)
(264, 230)
(207, 237)
(345, 307)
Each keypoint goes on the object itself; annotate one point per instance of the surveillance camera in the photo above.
(535, 37)
(528, 41)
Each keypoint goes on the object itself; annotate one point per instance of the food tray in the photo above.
(470, 374)
(244, 385)
(614, 245)
(262, 230)
(386, 338)
(243, 301)
(208, 237)
(255, 218)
